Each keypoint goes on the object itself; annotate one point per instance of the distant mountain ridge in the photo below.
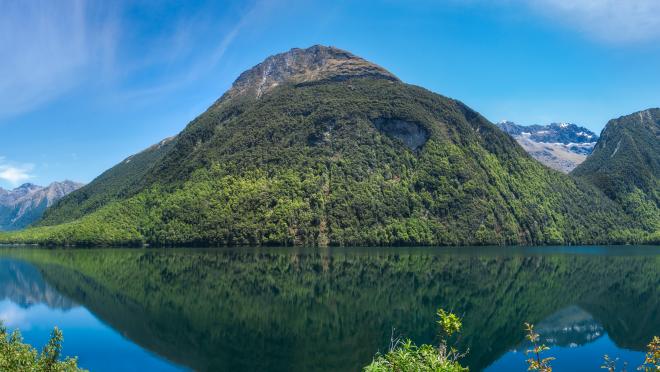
(561, 146)
(565, 133)
(26, 204)
(110, 185)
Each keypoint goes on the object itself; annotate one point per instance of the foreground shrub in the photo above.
(405, 356)
(536, 362)
(652, 360)
(408, 357)
(18, 356)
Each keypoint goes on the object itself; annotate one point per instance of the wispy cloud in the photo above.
(14, 173)
(185, 34)
(48, 48)
(617, 21)
(45, 46)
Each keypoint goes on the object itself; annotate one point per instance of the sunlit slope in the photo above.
(119, 182)
(625, 164)
(319, 147)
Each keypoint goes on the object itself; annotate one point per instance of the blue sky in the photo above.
(84, 84)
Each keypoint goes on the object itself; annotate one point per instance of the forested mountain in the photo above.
(116, 183)
(625, 164)
(319, 147)
(26, 204)
(561, 146)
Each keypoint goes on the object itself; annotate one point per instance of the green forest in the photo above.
(332, 163)
(625, 164)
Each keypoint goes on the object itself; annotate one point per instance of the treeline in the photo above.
(216, 209)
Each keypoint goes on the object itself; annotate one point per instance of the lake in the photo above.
(295, 309)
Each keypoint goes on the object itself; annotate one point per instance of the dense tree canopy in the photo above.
(306, 164)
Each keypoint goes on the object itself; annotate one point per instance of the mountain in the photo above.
(318, 146)
(560, 146)
(26, 204)
(114, 184)
(625, 165)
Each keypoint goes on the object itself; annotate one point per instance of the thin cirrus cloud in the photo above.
(45, 48)
(181, 47)
(612, 21)
(48, 48)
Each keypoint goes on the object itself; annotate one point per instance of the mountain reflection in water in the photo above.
(332, 309)
(571, 327)
(22, 283)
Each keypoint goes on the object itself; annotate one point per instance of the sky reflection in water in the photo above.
(328, 310)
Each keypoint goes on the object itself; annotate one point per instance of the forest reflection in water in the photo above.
(332, 309)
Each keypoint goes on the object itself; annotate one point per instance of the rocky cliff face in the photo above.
(561, 146)
(25, 204)
(317, 63)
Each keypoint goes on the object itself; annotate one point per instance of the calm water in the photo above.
(330, 309)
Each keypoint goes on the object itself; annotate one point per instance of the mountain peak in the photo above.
(316, 63)
(561, 146)
(25, 204)
(27, 186)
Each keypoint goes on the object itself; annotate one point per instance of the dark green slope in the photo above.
(625, 164)
(319, 147)
(121, 181)
(627, 157)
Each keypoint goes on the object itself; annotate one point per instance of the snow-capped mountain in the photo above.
(25, 204)
(561, 146)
